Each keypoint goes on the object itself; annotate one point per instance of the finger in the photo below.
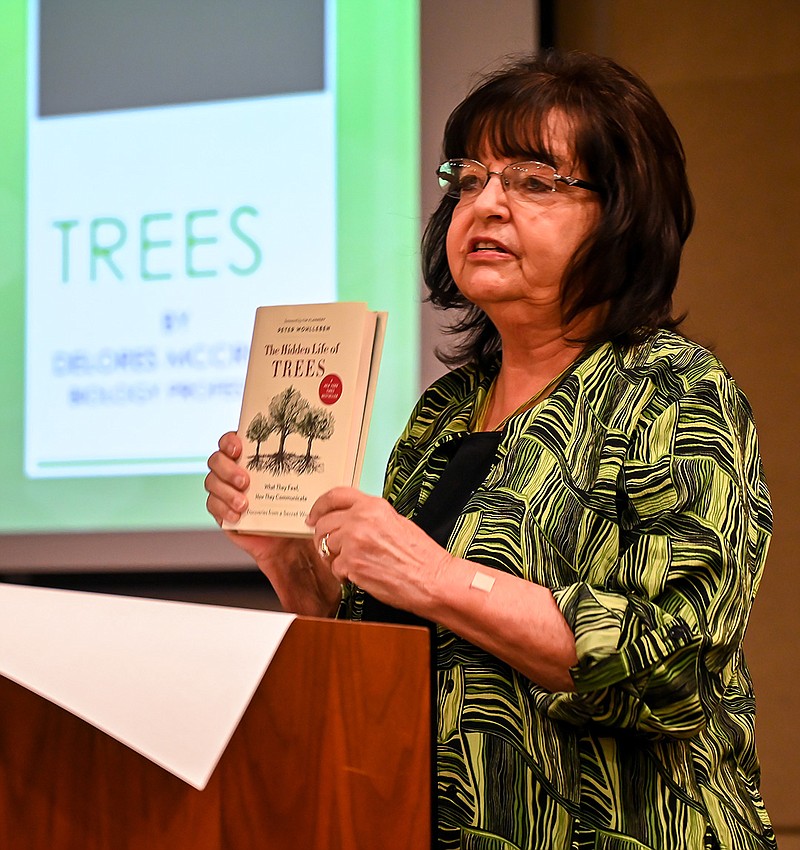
(213, 507)
(229, 492)
(338, 568)
(223, 510)
(230, 444)
(228, 471)
(325, 525)
(330, 553)
(333, 523)
(323, 548)
(337, 499)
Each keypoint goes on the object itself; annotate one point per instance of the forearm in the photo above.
(515, 620)
(392, 559)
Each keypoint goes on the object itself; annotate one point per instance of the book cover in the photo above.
(306, 406)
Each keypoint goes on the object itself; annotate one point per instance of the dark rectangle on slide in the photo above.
(98, 55)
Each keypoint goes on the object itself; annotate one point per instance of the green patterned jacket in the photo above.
(635, 492)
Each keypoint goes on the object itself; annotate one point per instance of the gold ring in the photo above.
(324, 551)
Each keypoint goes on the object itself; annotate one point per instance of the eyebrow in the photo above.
(523, 156)
(535, 156)
(546, 158)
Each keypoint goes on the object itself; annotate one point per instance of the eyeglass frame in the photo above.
(557, 178)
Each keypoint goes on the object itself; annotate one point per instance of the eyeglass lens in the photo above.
(465, 179)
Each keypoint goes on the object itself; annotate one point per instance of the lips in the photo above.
(490, 246)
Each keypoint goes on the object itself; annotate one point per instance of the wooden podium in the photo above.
(333, 753)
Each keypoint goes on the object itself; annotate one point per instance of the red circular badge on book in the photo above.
(330, 389)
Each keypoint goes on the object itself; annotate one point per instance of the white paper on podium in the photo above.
(170, 680)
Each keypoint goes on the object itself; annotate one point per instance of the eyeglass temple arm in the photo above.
(576, 181)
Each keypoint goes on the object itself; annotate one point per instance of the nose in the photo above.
(492, 200)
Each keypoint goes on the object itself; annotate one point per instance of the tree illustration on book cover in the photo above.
(289, 413)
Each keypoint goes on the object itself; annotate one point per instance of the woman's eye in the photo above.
(469, 184)
(532, 185)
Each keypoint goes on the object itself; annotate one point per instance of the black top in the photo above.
(473, 456)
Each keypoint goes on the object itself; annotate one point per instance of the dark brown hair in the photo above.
(626, 144)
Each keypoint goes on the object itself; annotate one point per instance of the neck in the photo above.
(533, 360)
(517, 388)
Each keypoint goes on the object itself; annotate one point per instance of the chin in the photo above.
(483, 296)
(492, 289)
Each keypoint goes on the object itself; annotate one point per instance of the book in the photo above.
(306, 407)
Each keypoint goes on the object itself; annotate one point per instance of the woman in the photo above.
(579, 507)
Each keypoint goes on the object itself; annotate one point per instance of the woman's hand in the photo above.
(301, 578)
(391, 558)
(370, 544)
(226, 484)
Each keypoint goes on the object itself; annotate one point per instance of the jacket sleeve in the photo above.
(659, 634)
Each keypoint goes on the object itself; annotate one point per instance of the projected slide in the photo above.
(169, 195)
(168, 167)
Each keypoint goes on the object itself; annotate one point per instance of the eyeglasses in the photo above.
(530, 182)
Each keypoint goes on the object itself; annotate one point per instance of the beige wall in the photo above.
(728, 72)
